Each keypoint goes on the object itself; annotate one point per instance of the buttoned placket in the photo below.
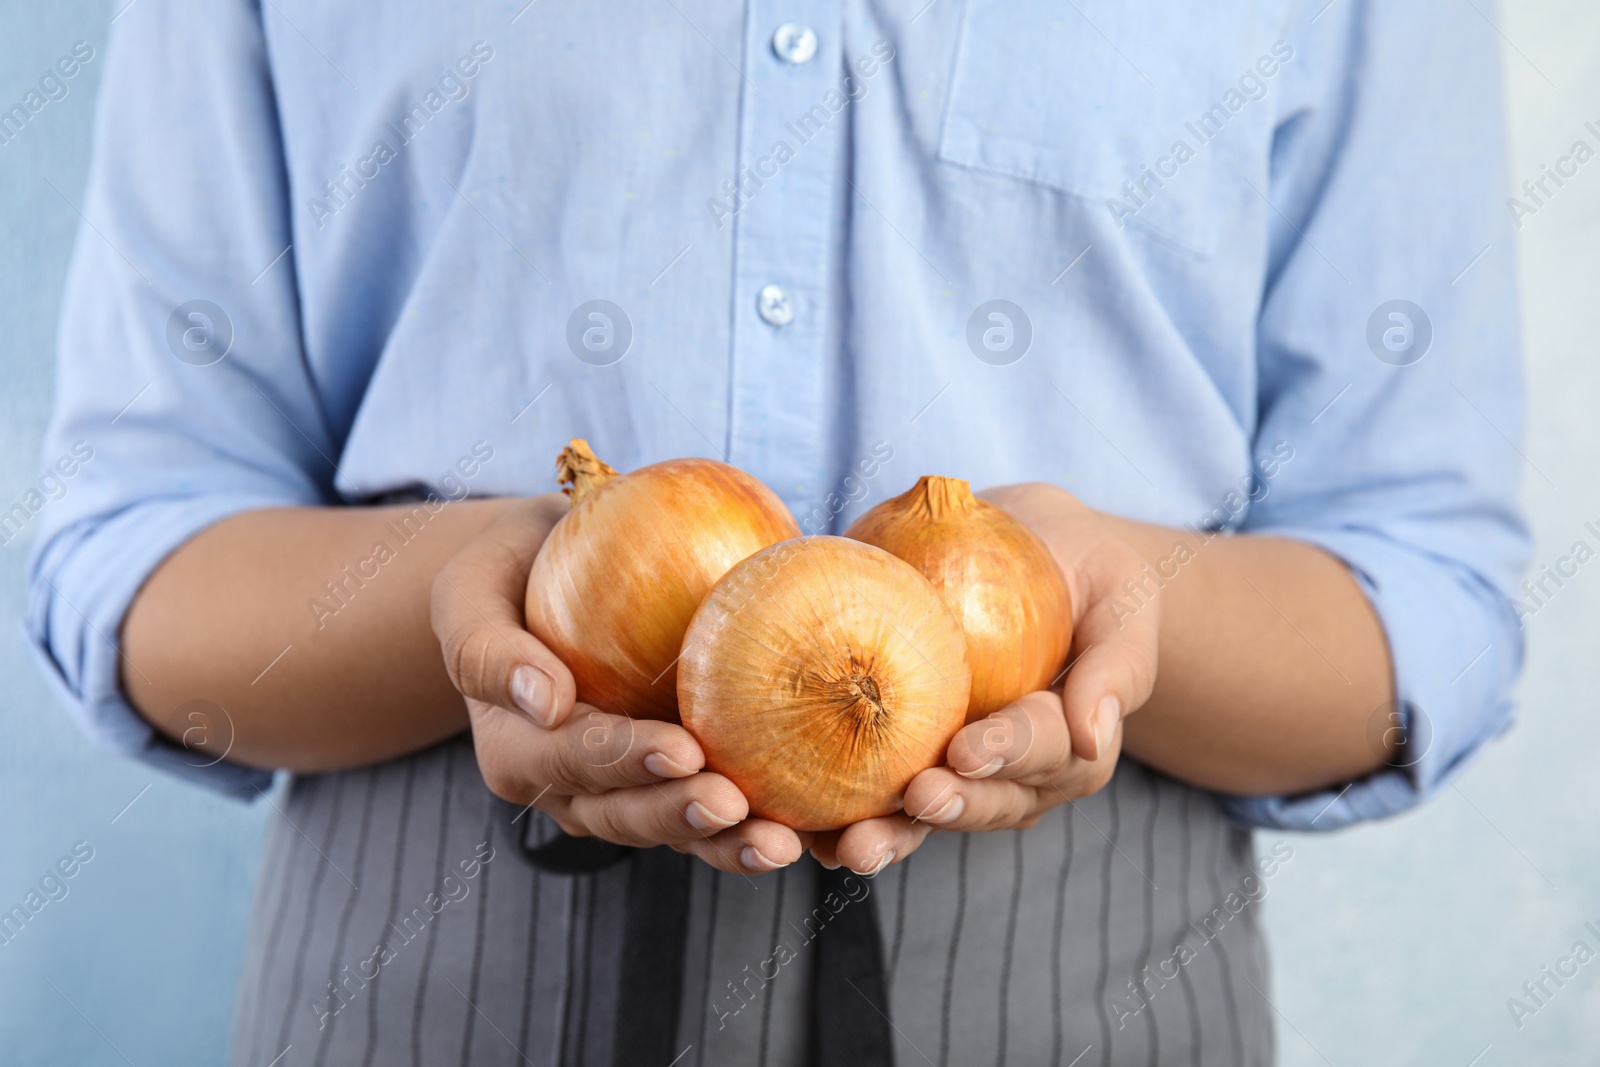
(788, 173)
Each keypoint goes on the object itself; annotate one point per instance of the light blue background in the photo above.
(1394, 944)
(148, 941)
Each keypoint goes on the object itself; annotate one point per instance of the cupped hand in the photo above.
(630, 781)
(1050, 747)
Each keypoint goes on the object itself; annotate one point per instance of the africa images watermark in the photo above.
(1537, 992)
(1539, 590)
(1536, 192)
(1253, 487)
(808, 125)
(342, 590)
(743, 587)
(1136, 996)
(52, 486)
(455, 85)
(856, 889)
(1205, 128)
(53, 87)
(855, 489)
(345, 986)
(52, 886)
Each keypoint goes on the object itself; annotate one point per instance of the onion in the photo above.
(615, 584)
(820, 676)
(998, 579)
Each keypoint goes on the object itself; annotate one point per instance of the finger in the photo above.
(1025, 741)
(1115, 668)
(871, 845)
(755, 846)
(589, 753)
(824, 847)
(669, 813)
(941, 799)
(477, 615)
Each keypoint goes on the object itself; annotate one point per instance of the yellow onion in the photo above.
(996, 576)
(820, 676)
(617, 581)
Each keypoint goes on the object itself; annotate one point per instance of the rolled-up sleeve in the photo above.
(183, 395)
(1403, 433)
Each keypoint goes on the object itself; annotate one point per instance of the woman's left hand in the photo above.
(1049, 747)
(1001, 773)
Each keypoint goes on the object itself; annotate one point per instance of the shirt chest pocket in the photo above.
(1157, 113)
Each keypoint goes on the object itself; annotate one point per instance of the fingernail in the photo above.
(884, 861)
(700, 818)
(1106, 717)
(535, 693)
(752, 858)
(986, 770)
(949, 811)
(662, 767)
(825, 863)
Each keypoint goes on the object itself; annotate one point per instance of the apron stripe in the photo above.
(900, 915)
(1113, 792)
(1056, 1007)
(532, 958)
(782, 878)
(705, 978)
(1012, 948)
(401, 834)
(1150, 915)
(955, 949)
(1223, 963)
(1185, 848)
(345, 914)
(485, 872)
(1004, 1013)
(292, 1004)
(419, 1003)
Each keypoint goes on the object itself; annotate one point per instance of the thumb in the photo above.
(1112, 676)
(477, 615)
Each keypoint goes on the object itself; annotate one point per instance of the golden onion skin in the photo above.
(820, 676)
(614, 586)
(996, 576)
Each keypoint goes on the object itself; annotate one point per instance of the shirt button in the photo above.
(794, 44)
(775, 305)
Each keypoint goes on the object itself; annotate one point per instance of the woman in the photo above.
(1165, 278)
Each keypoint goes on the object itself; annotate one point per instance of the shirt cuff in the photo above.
(1456, 648)
(82, 580)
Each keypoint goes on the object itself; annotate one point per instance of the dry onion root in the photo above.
(618, 579)
(996, 576)
(820, 676)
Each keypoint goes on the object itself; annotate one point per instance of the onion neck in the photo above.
(936, 497)
(580, 471)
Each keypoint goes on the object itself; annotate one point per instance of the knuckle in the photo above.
(560, 810)
(602, 821)
(500, 781)
(569, 777)
(466, 659)
(618, 822)
(1019, 807)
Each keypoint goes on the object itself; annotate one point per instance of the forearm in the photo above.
(232, 617)
(1272, 664)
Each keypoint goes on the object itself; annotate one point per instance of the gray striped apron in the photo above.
(400, 918)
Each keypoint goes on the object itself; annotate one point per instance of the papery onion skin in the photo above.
(615, 584)
(820, 676)
(996, 576)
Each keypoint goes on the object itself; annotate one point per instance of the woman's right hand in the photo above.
(629, 781)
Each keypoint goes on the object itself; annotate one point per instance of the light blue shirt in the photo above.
(798, 217)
